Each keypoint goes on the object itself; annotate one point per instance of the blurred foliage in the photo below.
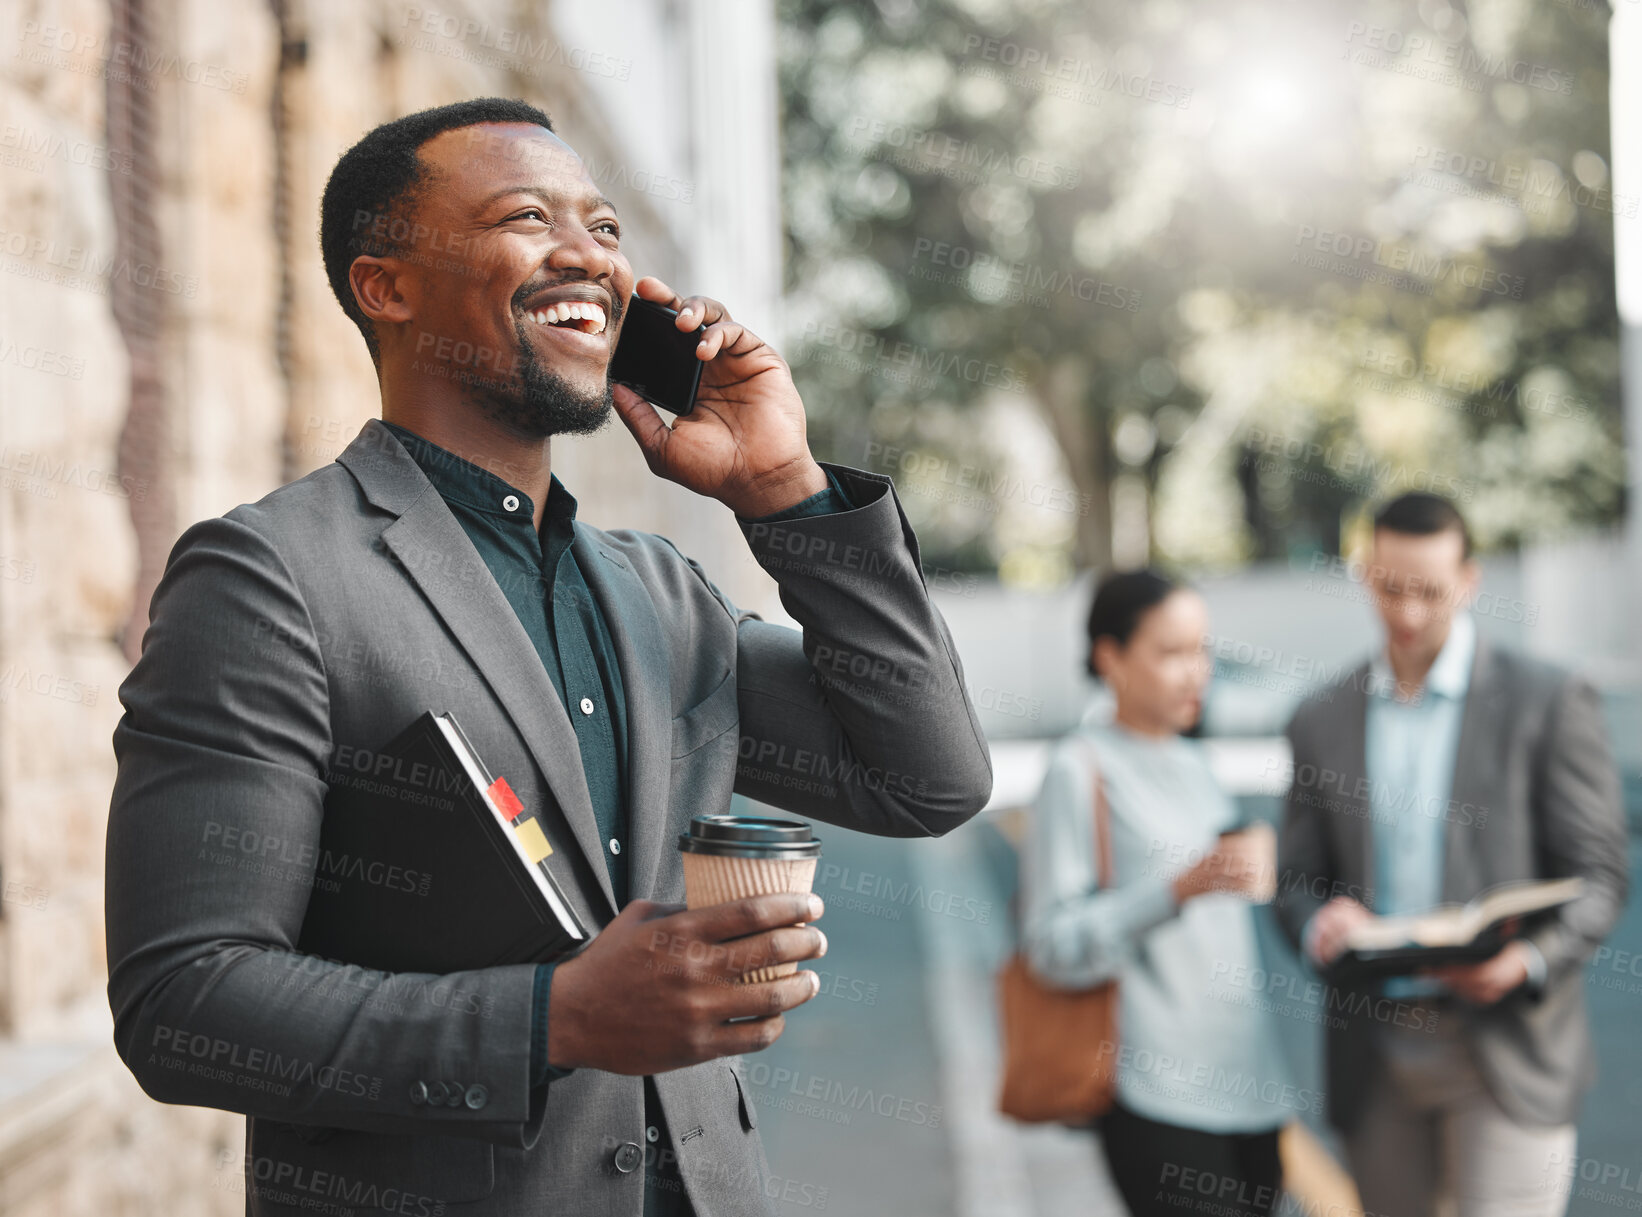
(1266, 261)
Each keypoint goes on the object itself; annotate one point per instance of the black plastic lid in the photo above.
(750, 837)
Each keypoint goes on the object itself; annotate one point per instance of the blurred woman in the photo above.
(1202, 1080)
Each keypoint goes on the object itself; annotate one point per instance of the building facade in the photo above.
(169, 348)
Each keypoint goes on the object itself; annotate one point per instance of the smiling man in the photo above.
(439, 564)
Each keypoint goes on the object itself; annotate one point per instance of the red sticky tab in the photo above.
(504, 797)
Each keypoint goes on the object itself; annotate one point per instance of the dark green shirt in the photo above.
(543, 582)
(539, 575)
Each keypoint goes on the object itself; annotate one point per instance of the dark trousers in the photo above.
(1163, 1169)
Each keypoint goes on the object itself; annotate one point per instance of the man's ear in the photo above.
(1470, 581)
(378, 289)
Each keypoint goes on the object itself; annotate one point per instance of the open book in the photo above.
(1451, 933)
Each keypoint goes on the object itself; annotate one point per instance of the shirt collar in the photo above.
(1450, 674)
(461, 481)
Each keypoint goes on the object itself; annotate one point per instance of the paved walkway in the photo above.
(879, 1098)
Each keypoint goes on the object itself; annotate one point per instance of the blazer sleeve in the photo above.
(1579, 815)
(859, 718)
(1073, 932)
(212, 845)
(1306, 878)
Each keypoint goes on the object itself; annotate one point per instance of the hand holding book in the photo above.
(1487, 982)
(1474, 945)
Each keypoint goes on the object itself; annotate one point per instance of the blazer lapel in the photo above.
(1357, 825)
(436, 553)
(646, 676)
(1475, 781)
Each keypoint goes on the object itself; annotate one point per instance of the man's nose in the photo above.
(1407, 611)
(578, 249)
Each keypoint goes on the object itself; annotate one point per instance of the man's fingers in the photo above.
(734, 1039)
(640, 418)
(739, 918)
(789, 944)
(654, 290)
(692, 312)
(700, 310)
(721, 336)
(1329, 939)
(767, 998)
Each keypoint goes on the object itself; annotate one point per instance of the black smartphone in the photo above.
(656, 359)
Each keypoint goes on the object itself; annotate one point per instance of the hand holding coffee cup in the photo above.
(1243, 863)
(660, 987)
(731, 857)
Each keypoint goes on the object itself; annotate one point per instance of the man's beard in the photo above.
(542, 403)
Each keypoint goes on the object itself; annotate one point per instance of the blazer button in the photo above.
(477, 1096)
(628, 1157)
(454, 1097)
(418, 1093)
(436, 1093)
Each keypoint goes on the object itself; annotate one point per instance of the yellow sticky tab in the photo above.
(533, 839)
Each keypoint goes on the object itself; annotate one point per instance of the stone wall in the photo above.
(169, 348)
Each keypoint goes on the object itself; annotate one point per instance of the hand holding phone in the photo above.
(742, 441)
(656, 359)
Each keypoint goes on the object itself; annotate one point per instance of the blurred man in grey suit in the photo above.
(1443, 767)
(438, 564)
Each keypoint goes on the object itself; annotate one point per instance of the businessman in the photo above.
(438, 563)
(1441, 768)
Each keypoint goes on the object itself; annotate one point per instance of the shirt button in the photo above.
(652, 1133)
(511, 503)
(587, 705)
(615, 846)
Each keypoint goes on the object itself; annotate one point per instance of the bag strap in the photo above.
(1103, 825)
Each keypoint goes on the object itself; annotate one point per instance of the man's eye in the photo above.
(530, 211)
(610, 226)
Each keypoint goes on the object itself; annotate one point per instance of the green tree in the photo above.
(1268, 260)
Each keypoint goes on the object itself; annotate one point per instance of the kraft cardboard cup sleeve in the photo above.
(1263, 838)
(729, 857)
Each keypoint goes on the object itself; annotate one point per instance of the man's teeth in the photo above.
(568, 310)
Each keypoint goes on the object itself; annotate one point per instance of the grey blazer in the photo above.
(292, 636)
(1535, 795)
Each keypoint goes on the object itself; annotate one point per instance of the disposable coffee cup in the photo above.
(731, 857)
(1264, 839)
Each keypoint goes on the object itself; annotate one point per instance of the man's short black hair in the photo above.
(1422, 514)
(364, 211)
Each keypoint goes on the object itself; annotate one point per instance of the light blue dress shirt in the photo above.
(1410, 748)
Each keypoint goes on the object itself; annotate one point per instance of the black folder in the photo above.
(428, 863)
